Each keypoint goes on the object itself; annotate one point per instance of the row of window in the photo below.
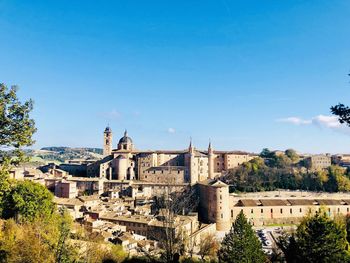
(291, 210)
(131, 224)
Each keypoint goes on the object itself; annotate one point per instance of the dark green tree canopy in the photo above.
(343, 113)
(241, 244)
(318, 239)
(16, 126)
(27, 201)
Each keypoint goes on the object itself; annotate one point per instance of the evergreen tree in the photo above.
(241, 244)
(318, 239)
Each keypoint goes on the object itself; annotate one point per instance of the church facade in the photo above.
(176, 167)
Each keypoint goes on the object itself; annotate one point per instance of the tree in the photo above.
(64, 251)
(347, 225)
(16, 126)
(169, 206)
(38, 241)
(5, 184)
(241, 244)
(292, 154)
(318, 239)
(102, 252)
(266, 153)
(208, 246)
(27, 201)
(282, 161)
(343, 113)
(16, 130)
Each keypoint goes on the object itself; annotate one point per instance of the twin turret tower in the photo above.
(211, 158)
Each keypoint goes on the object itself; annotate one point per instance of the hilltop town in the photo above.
(140, 199)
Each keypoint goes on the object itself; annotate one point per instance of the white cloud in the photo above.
(321, 121)
(171, 130)
(327, 121)
(295, 120)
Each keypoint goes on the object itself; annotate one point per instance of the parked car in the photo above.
(268, 243)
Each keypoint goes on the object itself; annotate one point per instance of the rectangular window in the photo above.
(231, 213)
(271, 210)
(281, 211)
(262, 210)
(251, 211)
(300, 210)
(291, 211)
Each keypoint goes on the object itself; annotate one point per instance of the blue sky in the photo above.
(247, 74)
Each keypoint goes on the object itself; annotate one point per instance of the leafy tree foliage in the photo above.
(208, 247)
(318, 239)
(292, 155)
(343, 113)
(347, 224)
(34, 241)
(64, 251)
(241, 244)
(27, 201)
(168, 206)
(102, 252)
(266, 153)
(16, 126)
(5, 184)
(48, 240)
(16, 130)
(281, 171)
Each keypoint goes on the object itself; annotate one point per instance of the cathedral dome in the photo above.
(125, 139)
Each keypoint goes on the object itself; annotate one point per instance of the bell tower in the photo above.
(107, 141)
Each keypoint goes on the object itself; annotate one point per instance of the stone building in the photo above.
(168, 166)
(216, 205)
(318, 161)
(66, 189)
(213, 204)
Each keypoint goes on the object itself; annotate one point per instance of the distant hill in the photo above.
(68, 149)
(62, 154)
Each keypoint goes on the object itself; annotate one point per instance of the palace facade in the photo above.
(173, 166)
